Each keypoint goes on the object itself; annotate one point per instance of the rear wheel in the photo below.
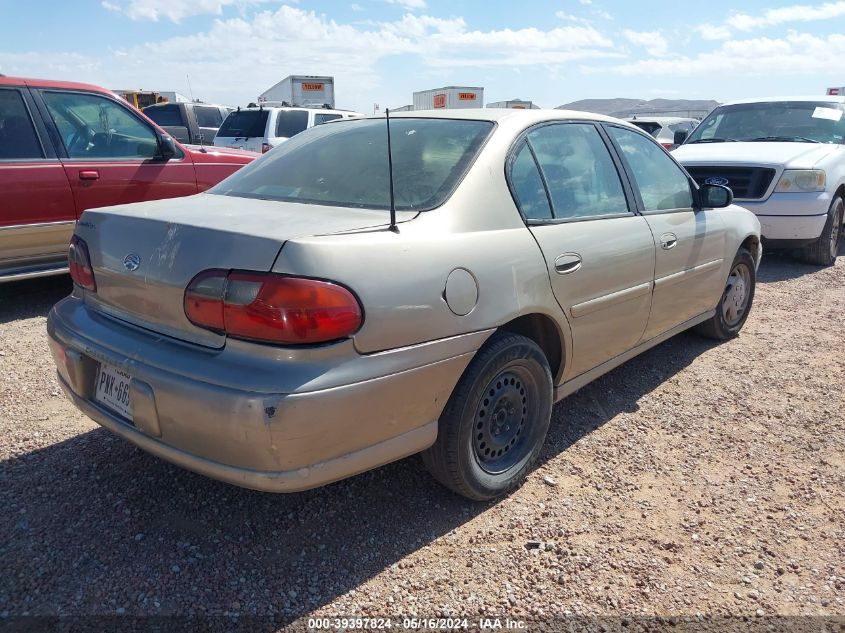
(823, 251)
(735, 304)
(494, 425)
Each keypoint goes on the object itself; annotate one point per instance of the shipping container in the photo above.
(833, 92)
(302, 90)
(514, 104)
(449, 97)
(404, 108)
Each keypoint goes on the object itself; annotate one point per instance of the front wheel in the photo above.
(495, 422)
(823, 251)
(736, 300)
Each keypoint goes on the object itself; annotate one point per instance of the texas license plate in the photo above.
(112, 390)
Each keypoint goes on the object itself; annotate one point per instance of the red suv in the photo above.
(66, 147)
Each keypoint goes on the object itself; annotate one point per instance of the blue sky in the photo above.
(380, 51)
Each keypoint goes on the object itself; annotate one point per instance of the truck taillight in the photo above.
(79, 263)
(271, 308)
(265, 147)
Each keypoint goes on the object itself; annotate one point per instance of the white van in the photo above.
(261, 128)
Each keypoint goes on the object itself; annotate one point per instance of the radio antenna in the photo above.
(392, 226)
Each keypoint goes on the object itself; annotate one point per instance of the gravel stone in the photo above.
(670, 445)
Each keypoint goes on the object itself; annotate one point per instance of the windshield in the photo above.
(798, 121)
(345, 164)
(244, 124)
(165, 115)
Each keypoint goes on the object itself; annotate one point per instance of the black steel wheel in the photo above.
(495, 422)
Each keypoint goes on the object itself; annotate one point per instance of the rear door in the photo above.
(37, 212)
(599, 252)
(290, 123)
(690, 243)
(110, 154)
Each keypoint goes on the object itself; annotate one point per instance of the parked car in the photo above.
(190, 123)
(66, 147)
(664, 128)
(784, 160)
(278, 332)
(261, 128)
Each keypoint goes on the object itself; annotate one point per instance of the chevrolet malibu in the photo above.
(281, 331)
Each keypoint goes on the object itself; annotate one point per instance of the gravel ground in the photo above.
(696, 479)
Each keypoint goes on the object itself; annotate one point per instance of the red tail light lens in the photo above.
(272, 308)
(265, 147)
(668, 145)
(79, 263)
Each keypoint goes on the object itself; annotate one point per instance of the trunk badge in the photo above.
(132, 262)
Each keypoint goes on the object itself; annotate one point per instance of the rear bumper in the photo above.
(232, 428)
(791, 219)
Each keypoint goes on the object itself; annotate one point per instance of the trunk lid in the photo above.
(144, 255)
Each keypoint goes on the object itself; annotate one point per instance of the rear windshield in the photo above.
(345, 164)
(165, 115)
(244, 124)
(648, 127)
(291, 122)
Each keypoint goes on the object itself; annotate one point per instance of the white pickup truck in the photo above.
(784, 159)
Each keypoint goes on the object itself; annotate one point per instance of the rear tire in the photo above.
(495, 422)
(735, 304)
(823, 251)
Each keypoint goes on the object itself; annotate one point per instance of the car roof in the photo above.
(50, 83)
(815, 98)
(496, 114)
(306, 108)
(187, 103)
(662, 120)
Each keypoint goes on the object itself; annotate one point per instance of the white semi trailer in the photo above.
(449, 97)
(311, 91)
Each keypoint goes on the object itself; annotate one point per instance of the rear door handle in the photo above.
(89, 174)
(668, 241)
(567, 263)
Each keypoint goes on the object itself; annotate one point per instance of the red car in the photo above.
(67, 147)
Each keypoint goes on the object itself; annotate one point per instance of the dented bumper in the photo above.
(257, 416)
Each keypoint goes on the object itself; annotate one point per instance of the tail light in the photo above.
(271, 308)
(79, 263)
(265, 147)
(668, 145)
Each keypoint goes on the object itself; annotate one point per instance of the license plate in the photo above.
(112, 390)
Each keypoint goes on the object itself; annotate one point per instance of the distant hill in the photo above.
(629, 107)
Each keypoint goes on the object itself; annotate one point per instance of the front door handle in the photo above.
(567, 263)
(668, 241)
(89, 174)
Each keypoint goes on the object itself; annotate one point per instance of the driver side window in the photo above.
(662, 184)
(94, 127)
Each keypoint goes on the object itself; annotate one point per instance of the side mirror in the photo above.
(166, 147)
(680, 137)
(715, 196)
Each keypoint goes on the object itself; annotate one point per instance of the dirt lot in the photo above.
(696, 479)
